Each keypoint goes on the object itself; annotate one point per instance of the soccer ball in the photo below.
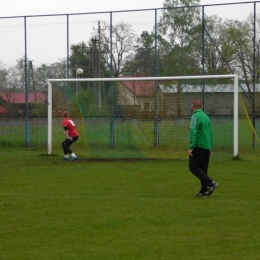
(79, 71)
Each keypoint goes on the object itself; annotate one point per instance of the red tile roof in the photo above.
(19, 97)
(140, 88)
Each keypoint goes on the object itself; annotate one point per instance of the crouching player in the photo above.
(72, 136)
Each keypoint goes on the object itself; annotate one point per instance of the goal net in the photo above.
(148, 117)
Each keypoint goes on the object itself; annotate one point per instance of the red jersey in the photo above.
(72, 131)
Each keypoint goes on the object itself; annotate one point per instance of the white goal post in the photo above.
(230, 76)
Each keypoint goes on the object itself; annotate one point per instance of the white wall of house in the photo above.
(126, 97)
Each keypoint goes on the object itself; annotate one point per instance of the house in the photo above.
(218, 99)
(14, 103)
(175, 101)
(3, 111)
(19, 97)
(138, 97)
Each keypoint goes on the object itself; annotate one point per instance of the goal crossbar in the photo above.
(228, 76)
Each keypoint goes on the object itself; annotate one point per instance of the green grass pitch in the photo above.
(126, 209)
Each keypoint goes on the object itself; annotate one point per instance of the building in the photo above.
(13, 103)
(139, 97)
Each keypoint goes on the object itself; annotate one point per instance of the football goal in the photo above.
(144, 117)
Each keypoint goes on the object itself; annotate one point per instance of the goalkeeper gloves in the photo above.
(69, 138)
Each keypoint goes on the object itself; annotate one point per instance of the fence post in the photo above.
(112, 119)
(27, 137)
(156, 119)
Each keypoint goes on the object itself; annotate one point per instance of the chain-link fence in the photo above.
(194, 40)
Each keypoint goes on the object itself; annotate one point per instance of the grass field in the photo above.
(131, 139)
(126, 209)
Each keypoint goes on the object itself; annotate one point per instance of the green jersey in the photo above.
(200, 131)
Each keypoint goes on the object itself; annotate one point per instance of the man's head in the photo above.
(65, 114)
(196, 104)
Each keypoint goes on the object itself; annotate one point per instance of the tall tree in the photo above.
(237, 41)
(80, 59)
(217, 57)
(123, 40)
(143, 58)
(178, 17)
(90, 57)
(176, 26)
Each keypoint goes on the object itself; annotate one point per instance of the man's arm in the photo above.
(193, 132)
(66, 132)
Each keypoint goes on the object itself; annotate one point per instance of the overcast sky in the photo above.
(46, 36)
(38, 7)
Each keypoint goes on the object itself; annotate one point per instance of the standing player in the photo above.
(200, 148)
(71, 137)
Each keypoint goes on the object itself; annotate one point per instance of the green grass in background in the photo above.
(132, 138)
(126, 209)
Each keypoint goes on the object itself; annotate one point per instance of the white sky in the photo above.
(38, 7)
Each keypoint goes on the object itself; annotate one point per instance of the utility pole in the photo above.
(33, 81)
(76, 70)
(99, 63)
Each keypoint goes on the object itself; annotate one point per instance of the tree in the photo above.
(123, 40)
(79, 58)
(3, 77)
(177, 19)
(145, 53)
(237, 42)
(44, 72)
(217, 57)
(143, 58)
(15, 76)
(177, 27)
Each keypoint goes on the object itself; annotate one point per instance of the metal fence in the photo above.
(35, 48)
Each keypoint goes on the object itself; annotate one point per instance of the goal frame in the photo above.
(230, 76)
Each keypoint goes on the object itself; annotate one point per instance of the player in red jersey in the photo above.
(71, 137)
